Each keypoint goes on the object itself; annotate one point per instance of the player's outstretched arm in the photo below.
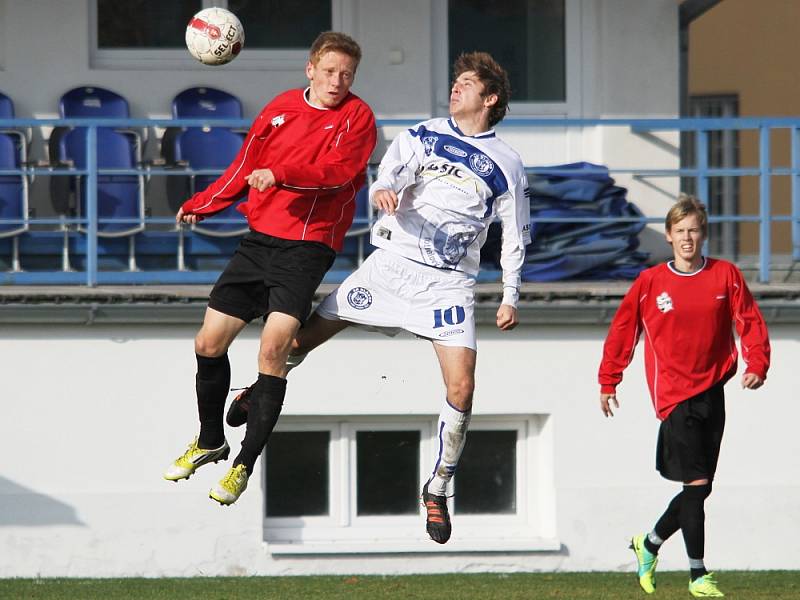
(184, 217)
(751, 381)
(506, 317)
(606, 400)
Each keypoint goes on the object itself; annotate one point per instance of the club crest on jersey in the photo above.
(481, 164)
(359, 298)
(664, 302)
(278, 121)
(429, 143)
(455, 151)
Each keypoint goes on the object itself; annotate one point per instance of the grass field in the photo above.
(565, 586)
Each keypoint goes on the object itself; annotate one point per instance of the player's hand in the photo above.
(260, 179)
(385, 200)
(751, 381)
(606, 400)
(190, 218)
(506, 317)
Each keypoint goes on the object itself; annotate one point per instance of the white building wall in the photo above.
(92, 416)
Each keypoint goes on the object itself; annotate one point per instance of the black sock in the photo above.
(650, 546)
(668, 524)
(266, 402)
(692, 519)
(695, 573)
(212, 384)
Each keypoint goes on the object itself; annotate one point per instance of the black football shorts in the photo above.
(689, 439)
(269, 274)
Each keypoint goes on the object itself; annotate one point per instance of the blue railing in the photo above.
(702, 172)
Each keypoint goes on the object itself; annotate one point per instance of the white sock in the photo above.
(451, 437)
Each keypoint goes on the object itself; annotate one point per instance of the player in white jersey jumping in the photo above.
(439, 186)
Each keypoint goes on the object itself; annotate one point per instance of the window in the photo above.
(526, 36)
(353, 485)
(150, 33)
(486, 479)
(282, 23)
(298, 474)
(723, 153)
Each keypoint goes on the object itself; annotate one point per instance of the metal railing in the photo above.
(702, 172)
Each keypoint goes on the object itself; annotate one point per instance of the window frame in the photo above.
(342, 19)
(572, 41)
(530, 529)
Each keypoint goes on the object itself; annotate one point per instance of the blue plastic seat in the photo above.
(211, 148)
(198, 102)
(13, 188)
(93, 102)
(118, 196)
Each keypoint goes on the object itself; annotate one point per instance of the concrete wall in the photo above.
(92, 415)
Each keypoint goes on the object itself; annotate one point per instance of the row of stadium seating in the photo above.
(121, 208)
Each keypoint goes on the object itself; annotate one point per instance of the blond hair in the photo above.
(685, 206)
(333, 41)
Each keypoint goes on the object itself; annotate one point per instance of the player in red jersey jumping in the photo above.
(302, 163)
(687, 309)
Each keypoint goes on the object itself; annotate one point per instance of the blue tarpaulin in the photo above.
(578, 250)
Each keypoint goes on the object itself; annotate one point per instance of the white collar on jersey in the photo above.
(485, 134)
(671, 267)
(306, 95)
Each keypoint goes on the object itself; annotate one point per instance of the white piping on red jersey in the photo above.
(222, 189)
(341, 213)
(655, 374)
(308, 218)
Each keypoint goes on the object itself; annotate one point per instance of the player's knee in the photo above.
(272, 354)
(207, 345)
(460, 391)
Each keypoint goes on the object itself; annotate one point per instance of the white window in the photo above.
(349, 486)
(536, 41)
(150, 33)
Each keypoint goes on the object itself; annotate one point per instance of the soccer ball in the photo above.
(214, 36)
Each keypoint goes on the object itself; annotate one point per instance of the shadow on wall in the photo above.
(20, 506)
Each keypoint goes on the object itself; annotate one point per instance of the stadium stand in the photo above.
(120, 198)
(13, 188)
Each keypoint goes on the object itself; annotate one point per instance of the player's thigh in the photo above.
(217, 332)
(316, 331)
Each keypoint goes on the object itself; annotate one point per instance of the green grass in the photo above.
(750, 585)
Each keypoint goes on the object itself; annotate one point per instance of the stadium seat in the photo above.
(13, 188)
(206, 102)
(211, 148)
(194, 103)
(13, 195)
(6, 107)
(118, 196)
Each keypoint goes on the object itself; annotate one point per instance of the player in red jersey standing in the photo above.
(687, 309)
(301, 164)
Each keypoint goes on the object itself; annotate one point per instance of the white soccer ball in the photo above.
(214, 36)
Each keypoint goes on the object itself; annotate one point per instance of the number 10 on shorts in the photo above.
(449, 316)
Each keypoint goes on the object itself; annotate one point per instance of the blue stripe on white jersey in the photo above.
(456, 149)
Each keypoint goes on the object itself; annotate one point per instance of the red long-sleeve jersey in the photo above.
(688, 324)
(318, 157)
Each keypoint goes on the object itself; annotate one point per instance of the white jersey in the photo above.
(450, 187)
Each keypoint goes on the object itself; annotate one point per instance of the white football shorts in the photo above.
(388, 293)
